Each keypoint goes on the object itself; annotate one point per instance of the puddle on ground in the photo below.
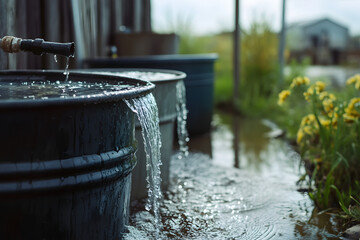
(237, 183)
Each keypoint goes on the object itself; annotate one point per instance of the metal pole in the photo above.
(236, 140)
(282, 46)
(237, 42)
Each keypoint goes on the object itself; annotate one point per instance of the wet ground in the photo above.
(237, 183)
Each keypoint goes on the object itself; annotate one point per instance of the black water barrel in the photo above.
(65, 162)
(199, 83)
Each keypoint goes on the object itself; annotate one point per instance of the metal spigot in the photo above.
(37, 46)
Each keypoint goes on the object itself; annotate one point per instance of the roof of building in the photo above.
(307, 23)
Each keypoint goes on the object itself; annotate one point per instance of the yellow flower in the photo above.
(299, 81)
(320, 86)
(328, 105)
(299, 136)
(332, 96)
(349, 118)
(316, 88)
(334, 114)
(323, 95)
(308, 120)
(357, 84)
(282, 96)
(354, 80)
(309, 92)
(325, 122)
(351, 111)
(351, 80)
(352, 107)
(308, 127)
(308, 130)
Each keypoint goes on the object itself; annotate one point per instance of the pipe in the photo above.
(38, 46)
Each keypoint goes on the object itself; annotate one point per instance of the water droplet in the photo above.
(66, 71)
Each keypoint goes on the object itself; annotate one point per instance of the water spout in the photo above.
(38, 46)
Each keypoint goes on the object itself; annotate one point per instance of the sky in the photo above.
(213, 16)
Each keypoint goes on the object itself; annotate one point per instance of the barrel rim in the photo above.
(177, 75)
(166, 58)
(142, 88)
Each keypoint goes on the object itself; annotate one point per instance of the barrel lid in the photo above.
(146, 74)
(132, 87)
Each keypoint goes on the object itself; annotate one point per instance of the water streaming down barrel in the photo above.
(146, 109)
(167, 97)
(183, 137)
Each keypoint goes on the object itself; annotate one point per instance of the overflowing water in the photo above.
(10, 90)
(183, 137)
(147, 112)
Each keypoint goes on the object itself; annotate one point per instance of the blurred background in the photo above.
(321, 39)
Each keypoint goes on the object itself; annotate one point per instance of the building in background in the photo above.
(353, 55)
(324, 41)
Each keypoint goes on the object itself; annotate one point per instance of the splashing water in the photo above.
(147, 112)
(181, 119)
(66, 71)
(16, 90)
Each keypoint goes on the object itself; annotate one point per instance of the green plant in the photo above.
(349, 201)
(259, 68)
(329, 141)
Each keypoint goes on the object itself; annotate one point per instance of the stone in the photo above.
(353, 232)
